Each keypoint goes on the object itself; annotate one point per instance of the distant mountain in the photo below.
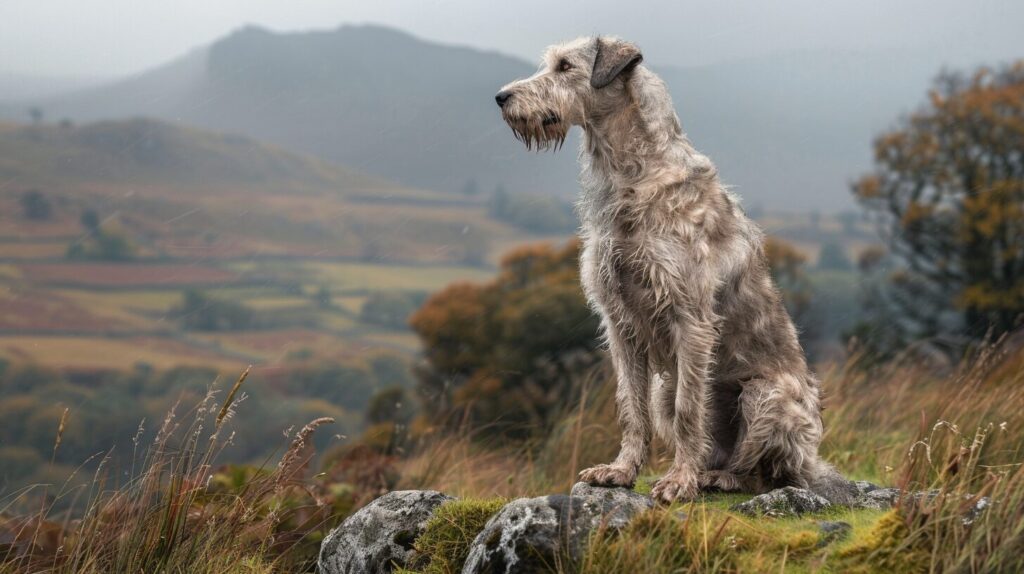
(789, 132)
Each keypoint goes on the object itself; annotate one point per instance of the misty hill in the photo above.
(367, 97)
(178, 192)
(151, 151)
(789, 132)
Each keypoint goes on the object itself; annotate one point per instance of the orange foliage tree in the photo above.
(948, 192)
(506, 354)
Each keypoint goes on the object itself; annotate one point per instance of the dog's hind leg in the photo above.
(780, 433)
(779, 438)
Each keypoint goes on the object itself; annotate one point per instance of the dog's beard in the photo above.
(543, 132)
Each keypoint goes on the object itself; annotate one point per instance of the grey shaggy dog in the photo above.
(704, 351)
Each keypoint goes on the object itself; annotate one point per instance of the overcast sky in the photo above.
(116, 37)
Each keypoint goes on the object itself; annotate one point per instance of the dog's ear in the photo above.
(614, 57)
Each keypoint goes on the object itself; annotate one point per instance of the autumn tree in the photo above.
(506, 353)
(948, 192)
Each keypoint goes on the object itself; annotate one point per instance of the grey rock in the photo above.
(787, 501)
(877, 498)
(379, 536)
(616, 507)
(976, 510)
(833, 532)
(537, 534)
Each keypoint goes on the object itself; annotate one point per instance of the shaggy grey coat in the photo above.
(704, 351)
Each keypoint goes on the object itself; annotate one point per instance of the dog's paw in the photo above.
(676, 485)
(609, 475)
(719, 481)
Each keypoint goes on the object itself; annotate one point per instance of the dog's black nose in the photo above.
(502, 97)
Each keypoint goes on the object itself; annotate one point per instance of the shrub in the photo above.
(506, 353)
(35, 205)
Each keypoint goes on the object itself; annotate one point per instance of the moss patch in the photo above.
(706, 536)
(883, 547)
(701, 536)
(444, 545)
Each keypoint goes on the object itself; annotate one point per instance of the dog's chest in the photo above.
(624, 260)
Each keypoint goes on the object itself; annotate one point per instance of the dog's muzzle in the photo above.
(541, 132)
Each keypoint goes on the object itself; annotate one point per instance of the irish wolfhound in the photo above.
(704, 352)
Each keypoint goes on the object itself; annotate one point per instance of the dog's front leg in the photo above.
(694, 338)
(631, 369)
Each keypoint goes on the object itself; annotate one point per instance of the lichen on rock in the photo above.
(380, 536)
(787, 501)
(531, 534)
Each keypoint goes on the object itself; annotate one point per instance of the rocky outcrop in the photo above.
(524, 534)
(381, 535)
(532, 534)
(792, 501)
(540, 534)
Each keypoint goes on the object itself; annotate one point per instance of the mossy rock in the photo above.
(445, 542)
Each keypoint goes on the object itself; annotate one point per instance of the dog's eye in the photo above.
(564, 65)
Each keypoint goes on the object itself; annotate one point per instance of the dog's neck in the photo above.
(636, 139)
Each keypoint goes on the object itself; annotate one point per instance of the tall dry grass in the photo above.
(170, 515)
(958, 441)
(474, 462)
(872, 416)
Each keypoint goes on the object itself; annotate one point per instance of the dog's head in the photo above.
(577, 80)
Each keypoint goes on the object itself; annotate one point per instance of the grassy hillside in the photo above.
(105, 227)
(148, 151)
(181, 192)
